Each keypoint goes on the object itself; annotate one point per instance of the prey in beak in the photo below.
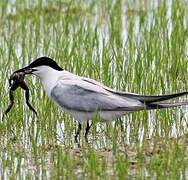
(16, 80)
(25, 70)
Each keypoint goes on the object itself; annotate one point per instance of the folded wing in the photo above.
(83, 96)
(86, 95)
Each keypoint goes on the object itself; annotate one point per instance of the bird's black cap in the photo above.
(45, 61)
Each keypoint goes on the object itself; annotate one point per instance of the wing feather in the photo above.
(81, 95)
(142, 98)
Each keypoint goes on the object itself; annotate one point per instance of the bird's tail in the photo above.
(157, 102)
(165, 105)
(152, 99)
(154, 102)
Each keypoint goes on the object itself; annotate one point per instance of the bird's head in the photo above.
(41, 67)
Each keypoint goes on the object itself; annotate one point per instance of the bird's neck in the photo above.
(49, 81)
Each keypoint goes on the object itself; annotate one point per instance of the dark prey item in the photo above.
(17, 80)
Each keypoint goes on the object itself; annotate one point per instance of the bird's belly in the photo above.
(112, 115)
(80, 116)
(103, 115)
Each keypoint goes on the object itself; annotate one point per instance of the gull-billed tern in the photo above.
(84, 97)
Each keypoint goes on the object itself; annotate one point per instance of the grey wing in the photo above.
(144, 99)
(82, 96)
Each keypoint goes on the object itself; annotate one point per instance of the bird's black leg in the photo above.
(78, 132)
(87, 130)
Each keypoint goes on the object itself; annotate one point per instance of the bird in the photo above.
(83, 97)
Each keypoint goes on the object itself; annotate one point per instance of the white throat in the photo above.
(48, 76)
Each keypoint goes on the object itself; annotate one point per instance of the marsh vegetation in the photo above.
(137, 46)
